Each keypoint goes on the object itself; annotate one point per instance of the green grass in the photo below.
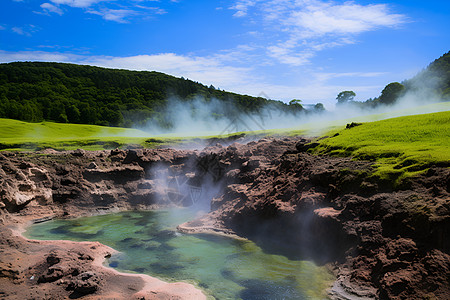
(401, 147)
(22, 136)
(18, 135)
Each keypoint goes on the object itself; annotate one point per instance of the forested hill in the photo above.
(435, 78)
(37, 91)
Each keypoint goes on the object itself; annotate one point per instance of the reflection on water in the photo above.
(225, 268)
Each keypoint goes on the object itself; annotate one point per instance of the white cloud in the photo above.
(240, 13)
(304, 27)
(26, 30)
(208, 70)
(6, 56)
(111, 10)
(287, 56)
(77, 3)
(156, 10)
(52, 8)
(18, 30)
(242, 7)
(116, 15)
(348, 18)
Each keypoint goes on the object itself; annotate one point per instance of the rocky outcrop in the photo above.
(385, 244)
(381, 243)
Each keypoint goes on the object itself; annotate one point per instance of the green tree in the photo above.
(345, 97)
(295, 105)
(391, 93)
(319, 107)
(73, 114)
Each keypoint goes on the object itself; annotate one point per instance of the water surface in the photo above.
(223, 267)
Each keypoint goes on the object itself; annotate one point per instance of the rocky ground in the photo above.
(381, 242)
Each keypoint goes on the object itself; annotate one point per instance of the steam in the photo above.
(191, 184)
(213, 117)
(201, 117)
(411, 103)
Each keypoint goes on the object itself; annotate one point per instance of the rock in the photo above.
(38, 175)
(118, 174)
(132, 156)
(52, 274)
(117, 155)
(68, 180)
(53, 259)
(25, 165)
(304, 145)
(84, 284)
(79, 153)
(92, 165)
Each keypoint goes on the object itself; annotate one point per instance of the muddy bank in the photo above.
(382, 243)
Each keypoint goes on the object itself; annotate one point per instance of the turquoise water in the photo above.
(224, 268)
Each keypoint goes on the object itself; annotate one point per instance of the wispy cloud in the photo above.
(18, 30)
(156, 10)
(305, 27)
(77, 3)
(349, 18)
(26, 30)
(117, 15)
(52, 8)
(242, 7)
(111, 10)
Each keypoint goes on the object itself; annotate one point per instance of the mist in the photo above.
(201, 117)
(192, 186)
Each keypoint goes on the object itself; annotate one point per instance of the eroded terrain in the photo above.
(379, 241)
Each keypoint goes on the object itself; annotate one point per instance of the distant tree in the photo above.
(73, 114)
(319, 107)
(295, 105)
(296, 102)
(391, 93)
(345, 97)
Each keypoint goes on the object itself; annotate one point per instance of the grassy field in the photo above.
(401, 147)
(22, 136)
(17, 135)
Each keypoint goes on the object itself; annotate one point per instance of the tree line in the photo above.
(70, 93)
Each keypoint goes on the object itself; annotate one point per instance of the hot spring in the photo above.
(224, 268)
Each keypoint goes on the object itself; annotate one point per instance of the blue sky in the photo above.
(304, 49)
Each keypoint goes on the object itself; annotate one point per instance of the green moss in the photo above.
(400, 147)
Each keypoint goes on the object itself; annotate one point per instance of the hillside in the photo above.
(400, 147)
(69, 93)
(433, 79)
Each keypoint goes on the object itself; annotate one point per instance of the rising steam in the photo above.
(204, 117)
